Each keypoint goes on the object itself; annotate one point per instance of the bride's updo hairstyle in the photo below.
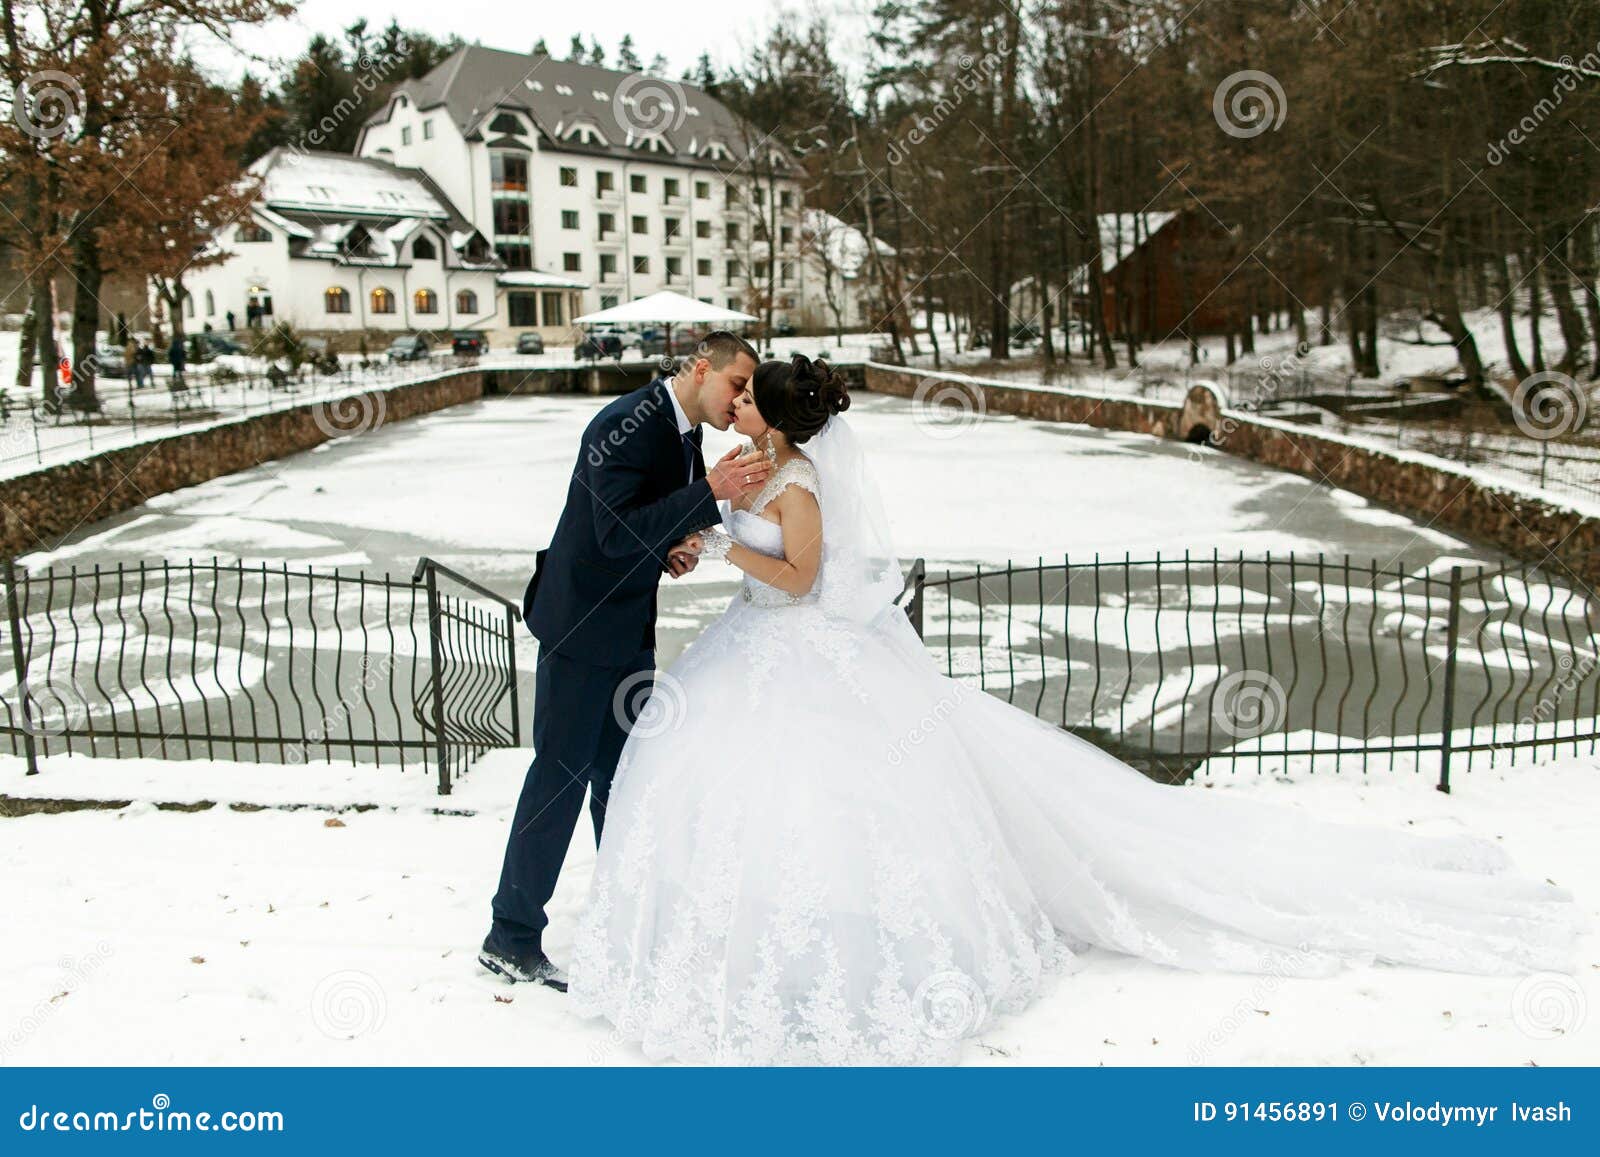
(798, 396)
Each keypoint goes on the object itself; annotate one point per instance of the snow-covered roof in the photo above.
(668, 308)
(1119, 232)
(533, 279)
(842, 246)
(336, 183)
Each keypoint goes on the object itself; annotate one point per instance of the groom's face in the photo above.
(717, 389)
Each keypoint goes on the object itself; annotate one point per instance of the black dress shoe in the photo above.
(522, 968)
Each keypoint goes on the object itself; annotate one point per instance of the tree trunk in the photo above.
(88, 275)
(44, 309)
(1508, 327)
(27, 346)
(1535, 316)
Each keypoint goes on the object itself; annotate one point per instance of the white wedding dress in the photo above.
(820, 850)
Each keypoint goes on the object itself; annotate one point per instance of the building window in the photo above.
(608, 266)
(786, 236)
(427, 130)
(670, 189)
(641, 225)
(569, 218)
(211, 304)
(730, 195)
(569, 178)
(405, 135)
(702, 267)
(188, 304)
(552, 308)
(735, 271)
(605, 182)
(702, 228)
(671, 226)
(608, 301)
(425, 301)
(522, 308)
(511, 217)
(515, 255)
(504, 123)
(702, 190)
(636, 183)
(786, 200)
(251, 232)
(571, 262)
(508, 173)
(608, 225)
(761, 270)
(466, 301)
(336, 300)
(674, 269)
(786, 273)
(733, 232)
(423, 250)
(382, 300)
(641, 265)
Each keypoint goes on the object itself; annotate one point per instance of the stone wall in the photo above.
(38, 509)
(1430, 490)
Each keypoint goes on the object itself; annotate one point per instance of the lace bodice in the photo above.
(764, 536)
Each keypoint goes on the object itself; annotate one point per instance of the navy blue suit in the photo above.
(592, 605)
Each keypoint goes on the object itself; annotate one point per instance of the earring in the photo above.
(770, 450)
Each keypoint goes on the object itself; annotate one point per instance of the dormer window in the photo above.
(251, 232)
(507, 123)
(423, 249)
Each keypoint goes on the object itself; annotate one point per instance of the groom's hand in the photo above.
(736, 474)
(684, 557)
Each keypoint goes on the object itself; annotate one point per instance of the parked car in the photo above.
(469, 342)
(1024, 334)
(599, 344)
(408, 347)
(530, 343)
(108, 361)
(653, 342)
(216, 343)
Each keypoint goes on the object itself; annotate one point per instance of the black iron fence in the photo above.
(1182, 664)
(230, 661)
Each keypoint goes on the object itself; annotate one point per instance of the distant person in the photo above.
(230, 321)
(177, 359)
(144, 366)
(130, 359)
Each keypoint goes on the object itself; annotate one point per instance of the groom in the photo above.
(638, 490)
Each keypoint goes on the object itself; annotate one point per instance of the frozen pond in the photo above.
(480, 486)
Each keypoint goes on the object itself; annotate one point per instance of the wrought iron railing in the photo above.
(1179, 664)
(231, 661)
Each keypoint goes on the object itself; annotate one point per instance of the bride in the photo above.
(820, 850)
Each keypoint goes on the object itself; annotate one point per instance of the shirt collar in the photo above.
(677, 407)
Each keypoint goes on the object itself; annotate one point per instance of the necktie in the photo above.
(691, 447)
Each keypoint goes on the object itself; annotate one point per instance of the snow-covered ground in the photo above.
(325, 935)
(480, 486)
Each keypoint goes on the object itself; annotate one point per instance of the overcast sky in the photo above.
(680, 32)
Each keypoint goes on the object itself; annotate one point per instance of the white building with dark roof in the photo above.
(619, 183)
(337, 242)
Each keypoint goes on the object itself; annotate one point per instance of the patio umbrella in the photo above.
(666, 308)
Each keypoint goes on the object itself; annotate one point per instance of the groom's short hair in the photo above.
(721, 346)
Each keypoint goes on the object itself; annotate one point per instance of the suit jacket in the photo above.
(593, 592)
